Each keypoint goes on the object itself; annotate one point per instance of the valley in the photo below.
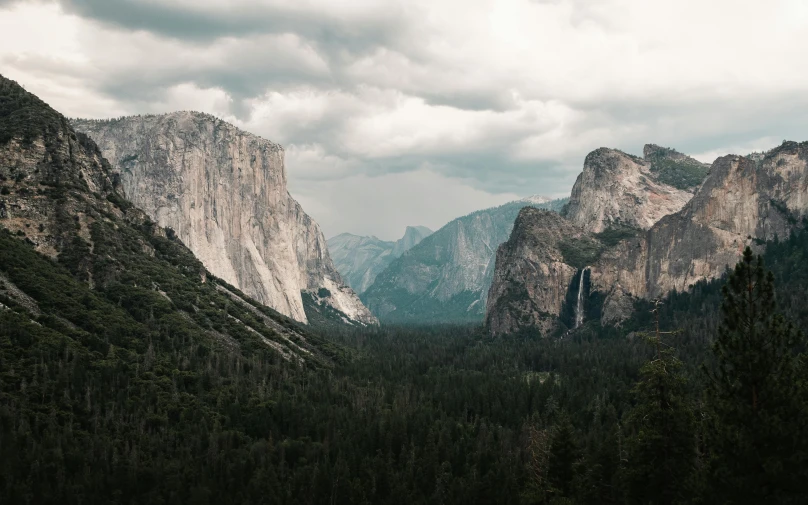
(174, 328)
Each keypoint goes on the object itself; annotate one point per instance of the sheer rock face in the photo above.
(531, 278)
(223, 191)
(743, 201)
(617, 188)
(360, 259)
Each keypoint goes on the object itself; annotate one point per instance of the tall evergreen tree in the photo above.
(753, 392)
(662, 445)
(562, 459)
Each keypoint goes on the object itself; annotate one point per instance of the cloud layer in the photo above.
(415, 112)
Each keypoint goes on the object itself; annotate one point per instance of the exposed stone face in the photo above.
(617, 188)
(223, 191)
(360, 259)
(743, 201)
(51, 184)
(531, 280)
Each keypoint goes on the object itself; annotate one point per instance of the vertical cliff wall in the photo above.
(644, 233)
(223, 191)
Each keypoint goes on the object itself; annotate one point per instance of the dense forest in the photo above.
(712, 412)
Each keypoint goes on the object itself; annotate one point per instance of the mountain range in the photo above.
(445, 278)
(633, 227)
(360, 259)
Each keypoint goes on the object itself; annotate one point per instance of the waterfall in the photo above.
(579, 307)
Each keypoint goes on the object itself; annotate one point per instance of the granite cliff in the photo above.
(742, 202)
(641, 233)
(532, 276)
(360, 259)
(92, 273)
(223, 192)
(619, 189)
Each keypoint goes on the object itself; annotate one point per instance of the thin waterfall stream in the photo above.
(579, 307)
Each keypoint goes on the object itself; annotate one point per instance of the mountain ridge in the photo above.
(82, 264)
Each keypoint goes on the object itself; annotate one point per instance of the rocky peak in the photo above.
(618, 189)
(223, 191)
(446, 277)
(412, 236)
(360, 259)
(52, 179)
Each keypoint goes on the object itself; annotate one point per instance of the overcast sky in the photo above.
(416, 112)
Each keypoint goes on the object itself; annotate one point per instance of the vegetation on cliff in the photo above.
(676, 169)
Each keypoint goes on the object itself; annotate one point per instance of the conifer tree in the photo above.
(563, 457)
(754, 432)
(662, 447)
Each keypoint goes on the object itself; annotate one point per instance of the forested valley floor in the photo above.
(104, 398)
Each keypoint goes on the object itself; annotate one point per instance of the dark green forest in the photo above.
(136, 410)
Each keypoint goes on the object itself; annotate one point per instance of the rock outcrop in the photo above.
(223, 192)
(616, 188)
(533, 276)
(52, 179)
(446, 277)
(360, 259)
(742, 201)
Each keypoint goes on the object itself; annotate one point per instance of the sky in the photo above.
(414, 112)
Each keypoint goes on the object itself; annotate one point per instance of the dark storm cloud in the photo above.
(331, 33)
(337, 38)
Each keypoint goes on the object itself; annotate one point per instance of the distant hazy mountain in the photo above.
(446, 277)
(360, 259)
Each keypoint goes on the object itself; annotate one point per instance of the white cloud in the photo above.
(753, 146)
(482, 99)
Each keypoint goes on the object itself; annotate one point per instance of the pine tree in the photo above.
(538, 461)
(662, 446)
(755, 428)
(562, 459)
